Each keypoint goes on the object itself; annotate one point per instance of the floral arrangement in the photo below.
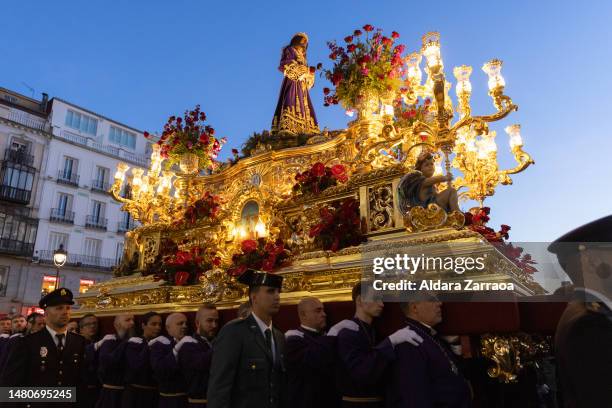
(407, 114)
(261, 254)
(319, 177)
(477, 219)
(340, 226)
(369, 63)
(206, 207)
(186, 266)
(189, 134)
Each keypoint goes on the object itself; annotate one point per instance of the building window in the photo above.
(85, 284)
(70, 167)
(3, 279)
(64, 203)
(97, 211)
(119, 253)
(85, 124)
(48, 285)
(100, 181)
(56, 239)
(92, 247)
(122, 137)
(17, 233)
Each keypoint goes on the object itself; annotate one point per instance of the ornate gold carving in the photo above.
(380, 200)
(432, 217)
(509, 354)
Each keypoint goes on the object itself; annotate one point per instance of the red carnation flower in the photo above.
(326, 91)
(387, 41)
(237, 271)
(315, 230)
(249, 246)
(368, 27)
(318, 169)
(357, 33)
(146, 134)
(338, 171)
(348, 39)
(395, 34)
(351, 48)
(235, 152)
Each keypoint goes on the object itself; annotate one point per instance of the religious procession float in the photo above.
(313, 205)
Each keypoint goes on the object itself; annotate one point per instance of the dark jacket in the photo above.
(35, 361)
(310, 370)
(243, 373)
(584, 352)
(426, 376)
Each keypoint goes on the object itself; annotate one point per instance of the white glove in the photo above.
(105, 338)
(177, 347)
(160, 339)
(137, 340)
(294, 333)
(4, 336)
(344, 324)
(405, 335)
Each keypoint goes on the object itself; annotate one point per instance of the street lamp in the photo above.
(59, 259)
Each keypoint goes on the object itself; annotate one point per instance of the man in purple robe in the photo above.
(294, 112)
(310, 359)
(166, 370)
(364, 361)
(111, 361)
(140, 386)
(428, 375)
(195, 355)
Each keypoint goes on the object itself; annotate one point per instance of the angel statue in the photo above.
(416, 189)
(294, 112)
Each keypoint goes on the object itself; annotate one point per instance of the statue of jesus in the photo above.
(294, 112)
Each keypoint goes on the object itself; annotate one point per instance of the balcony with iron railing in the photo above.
(19, 157)
(68, 177)
(96, 222)
(61, 215)
(100, 186)
(14, 247)
(78, 260)
(123, 226)
(14, 194)
(117, 152)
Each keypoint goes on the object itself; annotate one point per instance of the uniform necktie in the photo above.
(60, 342)
(268, 334)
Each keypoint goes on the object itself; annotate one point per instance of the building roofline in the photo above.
(39, 113)
(94, 113)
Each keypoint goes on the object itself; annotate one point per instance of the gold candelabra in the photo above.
(469, 138)
(149, 197)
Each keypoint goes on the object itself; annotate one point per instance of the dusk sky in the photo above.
(139, 62)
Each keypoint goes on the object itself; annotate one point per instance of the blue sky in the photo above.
(138, 62)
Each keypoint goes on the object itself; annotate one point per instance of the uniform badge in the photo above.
(63, 292)
(43, 352)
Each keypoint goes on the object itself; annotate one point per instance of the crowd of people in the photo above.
(149, 361)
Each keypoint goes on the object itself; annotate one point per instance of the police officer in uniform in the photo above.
(584, 334)
(51, 357)
(248, 368)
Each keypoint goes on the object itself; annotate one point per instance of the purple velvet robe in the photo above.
(294, 112)
(310, 370)
(422, 376)
(141, 387)
(194, 360)
(166, 370)
(111, 369)
(362, 365)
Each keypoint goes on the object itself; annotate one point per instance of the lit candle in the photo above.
(462, 73)
(431, 50)
(514, 131)
(493, 70)
(414, 73)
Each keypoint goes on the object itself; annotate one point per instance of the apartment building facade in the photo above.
(72, 209)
